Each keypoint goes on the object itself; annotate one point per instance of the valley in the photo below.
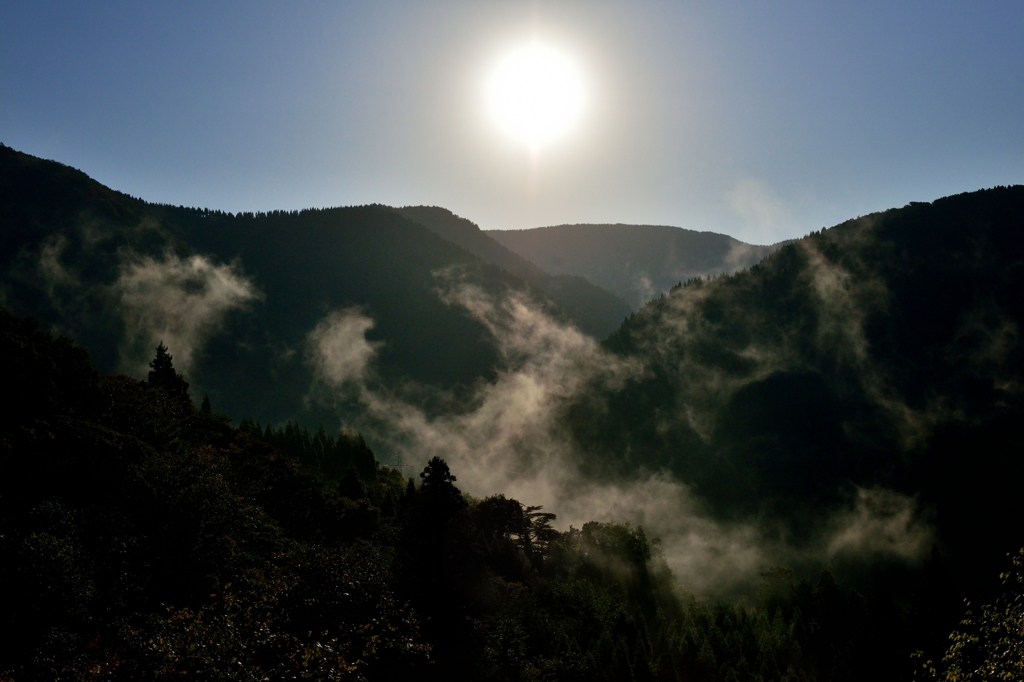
(640, 421)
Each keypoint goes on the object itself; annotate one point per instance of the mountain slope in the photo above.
(595, 310)
(235, 296)
(883, 353)
(876, 363)
(636, 262)
(143, 538)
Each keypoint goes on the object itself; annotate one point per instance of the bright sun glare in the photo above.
(535, 94)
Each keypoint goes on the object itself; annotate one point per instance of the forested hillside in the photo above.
(883, 353)
(826, 442)
(235, 296)
(146, 539)
(595, 310)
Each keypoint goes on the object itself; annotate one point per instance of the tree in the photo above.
(163, 375)
(991, 644)
(502, 517)
(541, 532)
(428, 512)
(438, 492)
(437, 474)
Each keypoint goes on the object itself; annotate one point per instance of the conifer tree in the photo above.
(439, 491)
(163, 375)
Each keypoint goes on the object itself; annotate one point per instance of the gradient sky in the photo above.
(763, 120)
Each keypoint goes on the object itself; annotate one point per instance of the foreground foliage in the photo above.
(145, 539)
(990, 645)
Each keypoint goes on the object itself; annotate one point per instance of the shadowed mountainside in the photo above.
(145, 539)
(595, 310)
(879, 356)
(883, 353)
(636, 262)
(235, 296)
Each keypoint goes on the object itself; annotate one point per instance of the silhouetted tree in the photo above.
(541, 532)
(502, 517)
(440, 498)
(163, 375)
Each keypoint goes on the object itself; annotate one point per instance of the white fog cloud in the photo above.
(340, 352)
(882, 523)
(512, 440)
(180, 301)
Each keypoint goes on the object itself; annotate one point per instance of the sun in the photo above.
(535, 94)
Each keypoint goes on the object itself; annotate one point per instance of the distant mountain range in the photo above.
(635, 262)
(594, 309)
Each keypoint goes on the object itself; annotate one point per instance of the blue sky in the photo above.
(763, 120)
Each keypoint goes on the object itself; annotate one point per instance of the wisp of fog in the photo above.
(510, 438)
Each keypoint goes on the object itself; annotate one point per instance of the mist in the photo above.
(511, 437)
(181, 302)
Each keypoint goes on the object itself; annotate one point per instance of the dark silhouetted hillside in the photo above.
(593, 309)
(240, 293)
(861, 387)
(145, 539)
(883, 352)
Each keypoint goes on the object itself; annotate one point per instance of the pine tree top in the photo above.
(163, 375)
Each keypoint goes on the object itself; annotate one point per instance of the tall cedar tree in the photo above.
(163, 374)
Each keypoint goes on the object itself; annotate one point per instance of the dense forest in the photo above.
(823, 449)
(234, 295)
(883, 353)
(144, 538)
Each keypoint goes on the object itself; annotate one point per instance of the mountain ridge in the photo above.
(82, 257)
(864, 356)
(599, 312)
(636, 262)
(875, 354)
